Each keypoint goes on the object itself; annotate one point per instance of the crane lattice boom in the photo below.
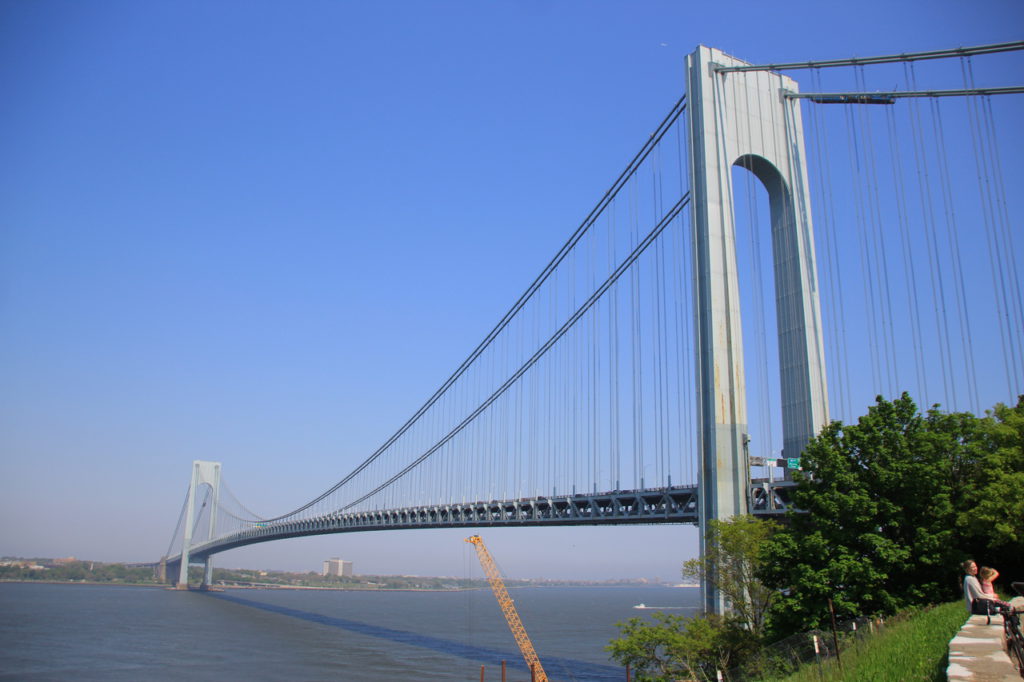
(509, 609)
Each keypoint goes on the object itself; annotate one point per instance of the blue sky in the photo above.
(263, 233)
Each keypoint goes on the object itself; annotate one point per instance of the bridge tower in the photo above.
(741, 118)
(203, 473)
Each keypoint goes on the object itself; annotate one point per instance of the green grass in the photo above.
(915, 649)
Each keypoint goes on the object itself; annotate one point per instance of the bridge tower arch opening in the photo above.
(752, 206)
(742, 118)
(203, 473)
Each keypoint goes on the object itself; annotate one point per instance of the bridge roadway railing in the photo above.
(675, 504)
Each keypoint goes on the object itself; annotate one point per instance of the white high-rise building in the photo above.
(338, 567)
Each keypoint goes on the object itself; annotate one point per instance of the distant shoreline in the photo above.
(165, 586)
(79, 582)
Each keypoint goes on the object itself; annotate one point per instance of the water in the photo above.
(87, 632)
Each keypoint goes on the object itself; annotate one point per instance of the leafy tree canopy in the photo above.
(992, 512)
(673, 647)
(891, 505)
(731, 562)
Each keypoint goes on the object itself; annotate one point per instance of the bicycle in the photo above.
(1012, 632)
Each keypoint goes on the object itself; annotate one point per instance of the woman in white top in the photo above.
(972, 587)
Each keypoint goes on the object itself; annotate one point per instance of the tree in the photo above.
(652, 650)
(876, 530)
(990, 515)
(731, 563)
(889, 507)
(676, 647)
(673, 646)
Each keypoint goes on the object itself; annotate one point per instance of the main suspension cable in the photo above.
(596, 296)
(254, 516)
(885, 59)
(177, 526)
(199, 516)
(609, 195)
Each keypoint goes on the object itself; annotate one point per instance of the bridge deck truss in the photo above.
(676, 504)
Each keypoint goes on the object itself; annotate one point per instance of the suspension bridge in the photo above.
(624, 385)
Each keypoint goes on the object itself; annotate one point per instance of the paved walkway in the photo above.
(978, 652)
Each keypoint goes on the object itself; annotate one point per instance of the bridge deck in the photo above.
(676, 504)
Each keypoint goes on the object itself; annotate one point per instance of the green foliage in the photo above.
(890, 506)
(676, 647)
(650, 649)
(77, 571)
(893, 504)
(991, 517)
(731, 562)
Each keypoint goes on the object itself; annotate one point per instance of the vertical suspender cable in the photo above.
(868, 280)
(996, 239)
(834, 279)
(786, 242)
(658, 364)
(966, 342)
(1016, 295)
(684, 357)
(758, 277)
(664, 246)
(575, 368)
(910, 273)
(613, 370)
(876, 244)
(935, 266)
(595, 368)
(637, 348)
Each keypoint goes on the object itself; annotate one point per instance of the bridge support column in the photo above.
(203, 473)
(741, 118)
(207, 574)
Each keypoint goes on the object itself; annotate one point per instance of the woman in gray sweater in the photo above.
(972, 587)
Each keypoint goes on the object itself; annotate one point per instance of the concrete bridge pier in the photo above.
(207, 574)
(181, 583)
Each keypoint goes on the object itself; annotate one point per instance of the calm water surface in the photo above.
(86, 632)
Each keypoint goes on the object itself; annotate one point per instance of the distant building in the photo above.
(338, 567)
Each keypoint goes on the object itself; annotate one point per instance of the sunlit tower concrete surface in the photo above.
(742, 119)
(208, 474)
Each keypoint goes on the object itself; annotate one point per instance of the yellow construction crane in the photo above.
(537, 673)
